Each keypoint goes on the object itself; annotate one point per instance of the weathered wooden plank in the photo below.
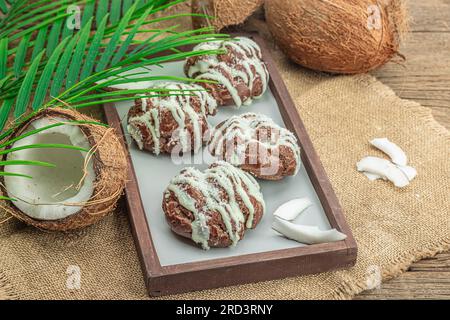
(425, 75)
(438, 263)
(430, 15)
(414, 285)
(425, 78)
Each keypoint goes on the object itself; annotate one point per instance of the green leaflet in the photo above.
(102, 10)
(123, 49)
(43, 146)
(3, 6)
(115, 11)
(78, 55)
(94, 49)
(4, 112)
(109, 51)
(11, 174)
(39, 42)
(20, 55)
(61, 69)
(26, 163)
(53, 37)
(88, 13)
(46, 76)
(23, 96)
(3, 57)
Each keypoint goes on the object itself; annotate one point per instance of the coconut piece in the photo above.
(408, 171)
(225, 12)
(306, 234)
(396, 154)
(82, 188)
(340, 36)
(292, 209)
(385, 169)
(372, 177)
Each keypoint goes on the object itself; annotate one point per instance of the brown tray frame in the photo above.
(164, 280)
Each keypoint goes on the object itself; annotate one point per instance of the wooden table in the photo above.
(425, 78)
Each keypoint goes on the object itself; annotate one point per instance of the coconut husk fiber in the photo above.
(225, 12)
(335, 38)
(392, 227)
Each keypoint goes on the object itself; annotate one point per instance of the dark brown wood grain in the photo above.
(162, 280)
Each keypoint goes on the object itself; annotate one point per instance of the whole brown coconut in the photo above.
(225, 12)
(338, 36)
(81, 189)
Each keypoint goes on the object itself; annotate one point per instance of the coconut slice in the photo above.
(292, 209)
(383, 168)
(81, 189)
(306, 234)
(408, 171)
(372, 176)
(396, 154)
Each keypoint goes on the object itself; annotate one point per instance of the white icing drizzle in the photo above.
(220, 176)
(243, 128)
(209, 67)
(178, 103)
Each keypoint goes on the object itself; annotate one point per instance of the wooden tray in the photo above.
(192, 276)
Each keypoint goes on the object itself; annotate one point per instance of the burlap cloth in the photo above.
(392, 227)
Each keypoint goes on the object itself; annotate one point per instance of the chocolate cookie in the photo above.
(214, 207)
(240, 72)
(258, 145)
(175, 120)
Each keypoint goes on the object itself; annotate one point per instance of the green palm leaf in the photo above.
(20, 55)
(4, 111)
(43, 146)
(109, 51)
(62, 66)
(102, 9)
(46, 76)
(81, 62)
(78, 55)
(25, 90)
(54, 37)
(116, 11)
(11, 174)
(26, 163)
(123, 49)
(39, 42)
(3, 56)
(66, 65)
(3, 6)
(94, 49)
(88, 13)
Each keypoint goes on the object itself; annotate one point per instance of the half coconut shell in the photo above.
(109, 166)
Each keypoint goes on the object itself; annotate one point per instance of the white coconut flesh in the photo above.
(52, 193)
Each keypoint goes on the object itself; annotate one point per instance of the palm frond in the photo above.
(79, 64)
(55, 65)
(24, 94)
